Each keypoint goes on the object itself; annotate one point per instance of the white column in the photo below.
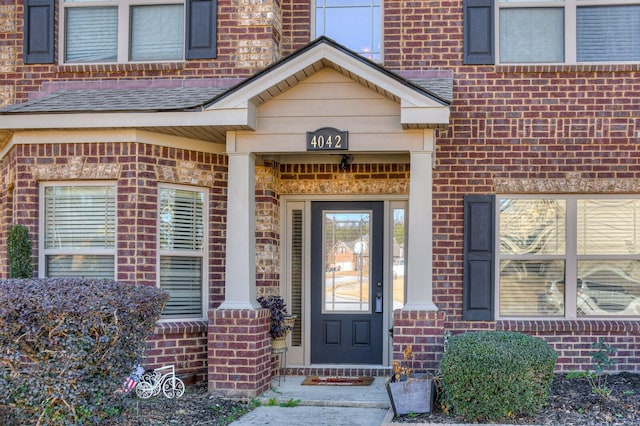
(420, 238)
(240, 285)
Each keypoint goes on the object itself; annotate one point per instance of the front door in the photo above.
(346, 282)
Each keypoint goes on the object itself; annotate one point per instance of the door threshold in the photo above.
(338, 370)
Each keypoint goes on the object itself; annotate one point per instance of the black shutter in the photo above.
(478, 279)
(201, 29)
(38, 31)
(478, 32)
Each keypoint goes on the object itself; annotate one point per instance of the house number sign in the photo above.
(327, 139)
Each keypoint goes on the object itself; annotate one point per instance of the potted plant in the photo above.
(281, 322)
(409, 394)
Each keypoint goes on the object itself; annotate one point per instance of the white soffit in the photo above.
(235, 109)
(418, 109)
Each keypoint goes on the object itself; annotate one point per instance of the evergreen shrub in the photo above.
(19, 251)
(492, 376)
(67, 346)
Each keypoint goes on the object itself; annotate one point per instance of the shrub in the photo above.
(491, 376)
(67, 346)
(19, 252)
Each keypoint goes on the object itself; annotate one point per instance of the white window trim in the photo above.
(570, 27)
(204, 253)
(44, 252)
(124, 30)
(300, 355)
(570, 257)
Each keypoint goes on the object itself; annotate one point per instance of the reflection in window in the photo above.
(353, 23)
(398, 250)
(347, 281)
(581, 248)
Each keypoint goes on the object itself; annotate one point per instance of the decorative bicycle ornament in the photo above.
(161, 379)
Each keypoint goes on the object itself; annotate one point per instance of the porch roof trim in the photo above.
(208, 112)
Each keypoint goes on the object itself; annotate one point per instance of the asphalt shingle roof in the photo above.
(134, 99)
(148, 99)
(159, 99)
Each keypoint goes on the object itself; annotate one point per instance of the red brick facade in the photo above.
(137, 169)
(513, 129)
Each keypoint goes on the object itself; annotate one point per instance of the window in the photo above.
(153, 31)
(182, 232)
(398, 250)
(121, 31)
(354, 23)
(568, 256)
(569, 31)
(79, 229)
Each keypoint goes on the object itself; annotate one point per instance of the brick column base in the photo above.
(424, 331)
(239, 352)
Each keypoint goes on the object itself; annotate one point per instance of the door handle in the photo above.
(379, 301)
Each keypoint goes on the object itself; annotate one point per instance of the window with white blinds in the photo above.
(608, 33)
(92, 34)
(532, 35)
(182, 251)
(108, 31)
(568, 31)
(79, 237)
(157, 32)
(569, 257)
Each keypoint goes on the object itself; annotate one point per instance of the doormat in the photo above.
(338, 381)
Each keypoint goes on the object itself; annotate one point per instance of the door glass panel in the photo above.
(347, 282)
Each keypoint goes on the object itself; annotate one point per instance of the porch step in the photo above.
(290, 388)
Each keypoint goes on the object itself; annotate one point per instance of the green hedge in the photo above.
(491, 376)
(67, 346)
(19, 252)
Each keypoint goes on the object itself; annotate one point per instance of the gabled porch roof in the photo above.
(209, 111)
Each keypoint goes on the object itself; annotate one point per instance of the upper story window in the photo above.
(355, 24)
(122, 30)
(568, 256)
(551, 31)
(569, 31)
(182, 244)
(78, 231)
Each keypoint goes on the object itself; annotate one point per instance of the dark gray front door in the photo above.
(346, 282)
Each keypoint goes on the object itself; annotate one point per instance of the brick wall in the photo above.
(240, 351)
(424, 332)
(249, 37)
(572, 341)
(355, 179)
(561, 130)
(513, 128)
(137, 169)
(267, 230)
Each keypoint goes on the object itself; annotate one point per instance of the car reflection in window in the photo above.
(602, 291)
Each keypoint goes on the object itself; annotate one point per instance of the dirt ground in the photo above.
(571, 403)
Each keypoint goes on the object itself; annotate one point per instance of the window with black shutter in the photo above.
(478, 32)
(38, 31)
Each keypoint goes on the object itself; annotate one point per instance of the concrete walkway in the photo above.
(320, 405)
(326, 406)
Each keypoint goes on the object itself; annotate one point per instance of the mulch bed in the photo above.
(572, 402)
